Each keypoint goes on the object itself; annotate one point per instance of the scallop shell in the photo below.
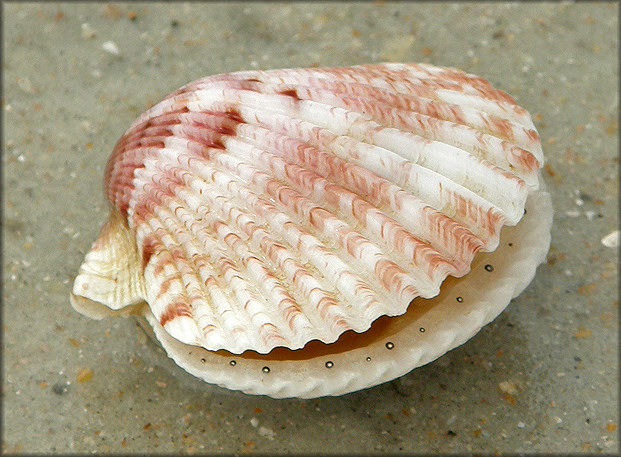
(265, 211)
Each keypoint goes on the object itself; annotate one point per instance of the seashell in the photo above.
(303, 221)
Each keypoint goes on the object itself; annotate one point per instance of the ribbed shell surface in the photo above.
(271, 208)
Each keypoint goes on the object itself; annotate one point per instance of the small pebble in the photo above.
(87, 31)
(508, 387)
(85, 374)
(267, 433)
(611, 240)
(254, 422)
(60, 388)
(25, 85)
(111, 47)
(521, 424)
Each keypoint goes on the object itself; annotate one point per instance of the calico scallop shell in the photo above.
(265, 211)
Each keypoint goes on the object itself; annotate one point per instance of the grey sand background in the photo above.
(543, 377)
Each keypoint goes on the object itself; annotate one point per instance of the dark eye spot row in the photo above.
(329, 364)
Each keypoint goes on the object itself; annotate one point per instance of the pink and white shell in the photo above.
(264, 209)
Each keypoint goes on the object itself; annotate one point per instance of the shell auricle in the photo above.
(316, 231)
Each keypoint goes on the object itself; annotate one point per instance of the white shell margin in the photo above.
(428, 330)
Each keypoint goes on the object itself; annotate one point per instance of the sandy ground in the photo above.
(543, 377)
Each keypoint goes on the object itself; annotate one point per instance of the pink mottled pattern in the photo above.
(275, 207)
